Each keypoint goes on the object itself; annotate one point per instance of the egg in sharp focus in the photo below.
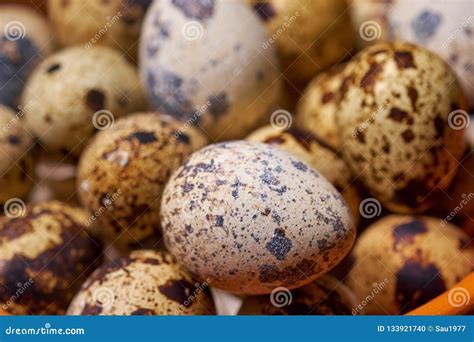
(44, 253)
(77, 91)
(203, 62)
(144, 283)
(401, 262)
(25, 39)
(309, 35)
(395, 117)
(325, 296)
(114, 23)
(16, 161)
(319, 154)
(253, 217)
(123, 171)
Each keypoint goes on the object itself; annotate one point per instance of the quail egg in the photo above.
(395, 117)
(123, 171)
(44, 252)
(144, 283)
(25, 39)
(401, 262)
(204, 62)
(326, 296)
(253, 217)
(77, 91)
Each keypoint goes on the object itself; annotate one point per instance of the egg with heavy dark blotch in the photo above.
(44, 254)
(144, 283)
(205, 63)
(123, 171)
(253, 217)
(402, 262)
(325, 296)
(25, 39)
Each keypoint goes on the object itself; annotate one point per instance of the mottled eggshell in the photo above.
(444, 27)
(317, 108)
(115, 23)
(326, 296)
(394, 119)
(144, 283)
(16, 163)
(76, 91)
(319, 154)
(309, 35)
(26, 39)
(122, 174)
(253, 217)
(203, 62)
(409, 260)
(45, 253)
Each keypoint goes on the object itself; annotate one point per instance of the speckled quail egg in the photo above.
(254, 217)
(123, 171)
(76, 91)
(319, 154)
(204, 63)
(44, 251)
(16, 161)
(115, 23)
(309, 35)
(444, 27)
(317, 108)
(144, 283)
(326, 296)
(394, 119)
(26, 39)
(409, 260)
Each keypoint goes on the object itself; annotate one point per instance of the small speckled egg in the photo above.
(76, 91)
(394, 119)
(45, 252)
(25, 39)
(444, 27)
(144, 283)
(253, 217)
(326, 296)
(319, 154)
(204, 62)
(115, 23)
(316, 110)
(16, 163)
(401, 262)
(123, 171)
(309, 35)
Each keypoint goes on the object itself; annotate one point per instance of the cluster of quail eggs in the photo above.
(173, 157)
